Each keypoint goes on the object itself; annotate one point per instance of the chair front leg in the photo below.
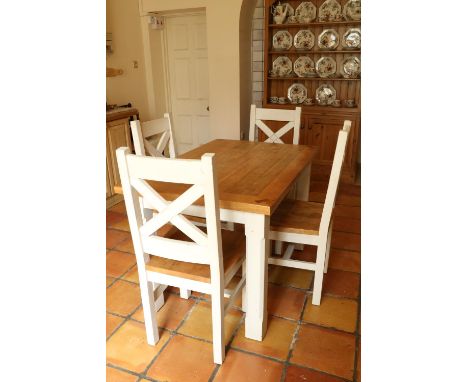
(278, 247)
(244, 290)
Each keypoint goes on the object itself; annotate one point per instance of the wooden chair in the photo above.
(154, 136)
(258, 115)
(293, 119)
(189, 258)
(311, 223)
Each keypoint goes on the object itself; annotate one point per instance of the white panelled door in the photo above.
(188, 75)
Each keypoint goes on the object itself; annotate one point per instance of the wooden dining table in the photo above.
(253, 178)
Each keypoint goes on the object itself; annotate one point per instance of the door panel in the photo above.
(188, 74)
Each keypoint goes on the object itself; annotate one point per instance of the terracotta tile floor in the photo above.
(303, 342)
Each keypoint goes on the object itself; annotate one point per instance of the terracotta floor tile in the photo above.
(111, 323)
(277, 340)
(285, 302)
(309, 253)
(296, 373)
(109, 281)
(113, 218)
(345, 224)
(339, 313)
(128, 348)
(183, 359)
(171, 314)
(114, 237)
(347, 241)
(345, 260)
(123, 298)
(117, 263)
(126, 246)
(241, 367)
(198, 324)
(341, 284)
(358, 365)
(122, 225)
(298, 278)
(114, 375)
(326, 350)
(348, 211)
(132, 275)
(119, 208)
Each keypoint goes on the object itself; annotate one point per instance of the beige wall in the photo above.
(123, 21)
(225, 53)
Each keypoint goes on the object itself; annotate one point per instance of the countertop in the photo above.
(121, 112)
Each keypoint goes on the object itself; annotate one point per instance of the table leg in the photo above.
(257, 229)
(303, 184)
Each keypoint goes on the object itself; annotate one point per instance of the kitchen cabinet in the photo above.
(117, 135)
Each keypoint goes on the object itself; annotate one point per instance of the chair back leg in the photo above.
(327, 253)
(149, 312)
(318, 276)
(217, 318)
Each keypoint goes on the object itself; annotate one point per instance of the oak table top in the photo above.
(252, 176)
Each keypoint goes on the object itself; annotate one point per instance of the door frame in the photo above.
(150, 91)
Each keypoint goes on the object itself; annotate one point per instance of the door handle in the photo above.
(208, 108)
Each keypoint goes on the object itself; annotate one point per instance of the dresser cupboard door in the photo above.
(118, 135)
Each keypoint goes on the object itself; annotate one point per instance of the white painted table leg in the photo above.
(302, 193)
(185, 293)
(257, 229)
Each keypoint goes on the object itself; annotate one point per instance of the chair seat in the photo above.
(297, 216)
(233, 253)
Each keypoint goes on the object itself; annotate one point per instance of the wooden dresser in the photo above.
(117, 135)
(319, 124)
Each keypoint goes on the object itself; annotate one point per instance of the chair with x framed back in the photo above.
(154, 136)
(310, 223)
(185, 256)
(293, 119)
(258, 115)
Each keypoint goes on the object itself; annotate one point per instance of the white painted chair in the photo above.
(310, 223)
(188, 257)
(258, 115)
(293, 119)
(154, 136)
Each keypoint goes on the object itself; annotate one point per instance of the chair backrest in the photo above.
(334, 177)
(135, 171)
(258, 115)
(143, 132)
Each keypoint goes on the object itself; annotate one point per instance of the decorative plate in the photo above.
(304, 67)
(330, 10)
(351, 67)
(282, 40)
(282, 65)
(325, 66)
(329, 39)
(304, 39)
(352, 10)
(306, 12)
(325, 94)
(352, 38)
(297, 93)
